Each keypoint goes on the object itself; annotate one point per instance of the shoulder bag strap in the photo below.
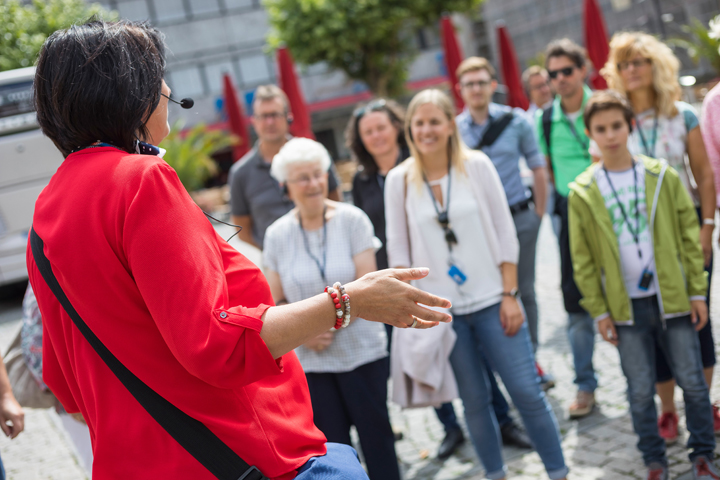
(191, 434)
(495, 130)
(547, 128)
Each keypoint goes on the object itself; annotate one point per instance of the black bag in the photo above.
(495, 130)
(191, 434)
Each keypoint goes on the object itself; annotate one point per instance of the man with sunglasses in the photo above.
(505, 135)
(563, 141)
(256, 199)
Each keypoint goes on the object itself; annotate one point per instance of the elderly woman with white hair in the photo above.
(317, 241)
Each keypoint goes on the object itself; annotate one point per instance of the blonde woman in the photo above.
(446, 208)
(646, 70)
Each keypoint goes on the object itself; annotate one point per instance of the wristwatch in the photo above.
(515, 293)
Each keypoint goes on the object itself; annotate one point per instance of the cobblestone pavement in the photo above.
(600, 446)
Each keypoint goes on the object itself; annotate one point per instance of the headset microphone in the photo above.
(185, 103)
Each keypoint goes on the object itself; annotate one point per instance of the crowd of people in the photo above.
(275, 364)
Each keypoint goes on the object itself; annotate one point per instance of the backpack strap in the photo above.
(495, 130)
(191, 434)
(547, 129)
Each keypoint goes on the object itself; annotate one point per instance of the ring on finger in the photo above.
(414, 323)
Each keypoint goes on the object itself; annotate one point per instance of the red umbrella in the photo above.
(236, 118)
(453, 57)
(596, 42)
(301, 126)
(511, 70)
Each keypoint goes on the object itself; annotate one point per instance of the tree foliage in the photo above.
(703, 42)
(370, 40)
(189, 152)
(24, 27)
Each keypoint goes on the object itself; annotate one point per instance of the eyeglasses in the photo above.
(269, 116)
(566, 72)
(539, 86)
(637, 63)
(479, 83)
(374, 106)
(305, 180)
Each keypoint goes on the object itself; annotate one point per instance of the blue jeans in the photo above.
(581, 333)
(339, 463)
(479, 337)
(679, 342)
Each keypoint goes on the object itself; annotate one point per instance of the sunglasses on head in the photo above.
(374, 106)
(566, 72)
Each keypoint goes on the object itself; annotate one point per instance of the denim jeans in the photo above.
(527, 225)
(339, 463)
(679, 342)
(581, 333)
(479, 337)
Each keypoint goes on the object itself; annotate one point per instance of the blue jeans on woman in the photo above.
(678, 340)
(480, 336)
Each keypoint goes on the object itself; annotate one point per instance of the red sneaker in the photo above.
(716, 419)
(668, 427)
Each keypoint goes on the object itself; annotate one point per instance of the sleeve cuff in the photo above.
(601, 317)
(698, 297)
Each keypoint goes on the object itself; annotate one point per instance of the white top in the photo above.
(632, 264)
(486, 241)
(349, 232)
(471, 254)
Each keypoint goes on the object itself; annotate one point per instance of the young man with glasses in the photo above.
(256, 199)
(505, 136)
(563, 141)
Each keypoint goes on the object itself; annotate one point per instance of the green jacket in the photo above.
(675, 234)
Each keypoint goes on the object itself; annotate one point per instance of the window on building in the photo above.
(170, 10)
(231, 4)
(200, 7)
(186, 82)
(214, 73)
(134, 10)
(327, 139)
(255, 70)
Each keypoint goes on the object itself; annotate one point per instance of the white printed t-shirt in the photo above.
(632, 264)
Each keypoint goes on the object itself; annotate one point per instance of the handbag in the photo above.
(198, 440)
(25, 387)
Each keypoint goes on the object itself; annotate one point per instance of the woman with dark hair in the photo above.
(181, 310)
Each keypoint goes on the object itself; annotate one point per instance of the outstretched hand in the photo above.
(384, 296)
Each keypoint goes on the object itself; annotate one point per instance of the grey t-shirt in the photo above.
(254, 192)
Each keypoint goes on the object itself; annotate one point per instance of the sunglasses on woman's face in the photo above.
(374, 106)
(566, 72)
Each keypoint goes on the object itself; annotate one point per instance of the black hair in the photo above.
(99, 81)
(352, 132)
(565, 47)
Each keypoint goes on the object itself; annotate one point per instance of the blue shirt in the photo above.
(517, 140)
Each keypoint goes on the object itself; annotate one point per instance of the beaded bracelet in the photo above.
(346, 302)
(338, 307)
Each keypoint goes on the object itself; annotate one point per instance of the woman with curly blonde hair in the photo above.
(646, 70)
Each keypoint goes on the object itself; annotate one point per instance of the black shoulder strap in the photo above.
(547, 127)
(495, 130)
(191, 434)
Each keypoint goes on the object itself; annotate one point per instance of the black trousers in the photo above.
(359, 398)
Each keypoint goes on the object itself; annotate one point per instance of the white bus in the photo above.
(27, 161)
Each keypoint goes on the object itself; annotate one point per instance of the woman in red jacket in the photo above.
(181, 309)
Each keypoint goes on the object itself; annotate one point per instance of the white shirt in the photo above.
(633, 265)
(349, 232)
(483, 286)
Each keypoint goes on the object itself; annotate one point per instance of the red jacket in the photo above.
(176, 305)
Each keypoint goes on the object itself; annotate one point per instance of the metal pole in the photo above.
(658, 15)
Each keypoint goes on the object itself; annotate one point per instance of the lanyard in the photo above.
(320, 266)
(584, 145)
(443, 217)
(635, 234)
(646, 146)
